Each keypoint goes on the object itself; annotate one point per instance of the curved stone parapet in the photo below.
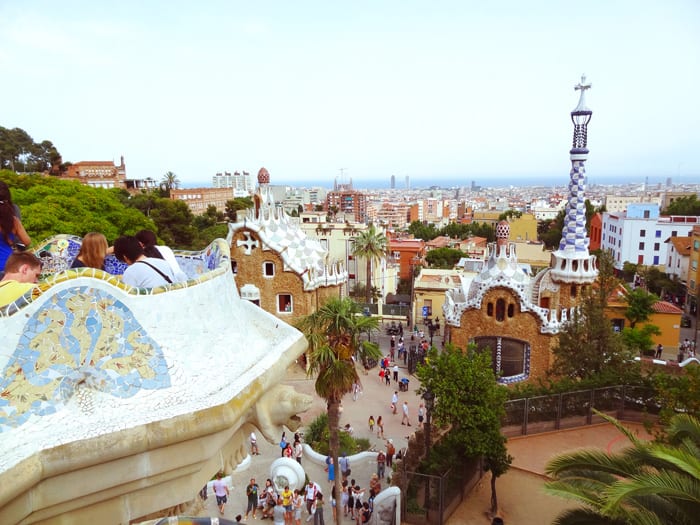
(120, 402)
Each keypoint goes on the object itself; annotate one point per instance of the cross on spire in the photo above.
(582, 85)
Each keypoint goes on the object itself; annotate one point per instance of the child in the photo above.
(371, 423)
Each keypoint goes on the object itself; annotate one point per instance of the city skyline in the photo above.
(448, 92)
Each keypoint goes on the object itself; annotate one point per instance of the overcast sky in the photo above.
(457, 90)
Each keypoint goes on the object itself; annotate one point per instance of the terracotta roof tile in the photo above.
(663, 307)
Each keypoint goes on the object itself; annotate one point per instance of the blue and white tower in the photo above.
(572, 263)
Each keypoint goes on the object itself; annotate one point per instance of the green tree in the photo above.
(333, 333)
(239, 203)
(588, 346)
(470, 402)
(688, 205)
(640, 305)
(639, 339)
(422, 231)
(173, 219)
(169, 182)
(372, 246)
(445, 258)
(653, 483)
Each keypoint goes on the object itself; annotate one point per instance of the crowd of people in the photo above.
(148, 264)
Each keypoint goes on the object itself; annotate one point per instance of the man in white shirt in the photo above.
(143, 272)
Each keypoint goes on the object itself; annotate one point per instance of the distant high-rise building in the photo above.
(241, 183)
(348, 200)
(393, 182)
(408, 184)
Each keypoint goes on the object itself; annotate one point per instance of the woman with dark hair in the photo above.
(12, 233)
(149, 241)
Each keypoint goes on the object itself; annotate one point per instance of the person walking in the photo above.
(394, 402)
(405, 420)
(254, 444)
(380, 427)
(298, 450)
(421, 415)
(390, 451)
(287, 502)
(221, 492)
(298, 503)
(370, 422)
(251, 492)
(318, 513)
(395, 370)
(381, 463)
(659, 351)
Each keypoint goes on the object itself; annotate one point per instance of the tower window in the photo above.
(511, 309)
(574, 290)
(489, 309)
(269, 269)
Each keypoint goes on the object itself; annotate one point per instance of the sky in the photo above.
(439, 91)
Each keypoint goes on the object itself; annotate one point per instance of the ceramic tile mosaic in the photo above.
(84, 336)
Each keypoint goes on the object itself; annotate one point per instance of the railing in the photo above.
(574, 409)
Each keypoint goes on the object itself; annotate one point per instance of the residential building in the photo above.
(693, 273)
(348, 201)
(679, 249)
(240, 182)
(408, 253)
(429, 289)
(637, 236)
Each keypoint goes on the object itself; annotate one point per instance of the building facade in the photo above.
(638, 236)
(276, 265)
(199, 199)
(505, 311)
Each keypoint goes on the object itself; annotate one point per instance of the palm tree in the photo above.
(648, 483)
(371, 245)
(169, 181)
(333, 332)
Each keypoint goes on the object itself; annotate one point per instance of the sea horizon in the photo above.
(505, 181)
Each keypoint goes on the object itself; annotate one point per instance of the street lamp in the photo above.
(429, 398)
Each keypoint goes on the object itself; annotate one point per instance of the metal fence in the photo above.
(431, 499)
(573, 409)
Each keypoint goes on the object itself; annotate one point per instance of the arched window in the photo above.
(511, 309)
(489, 309)
(500, 309)
(510, 358)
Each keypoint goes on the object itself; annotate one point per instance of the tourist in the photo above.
(150, 247)
(93, 251)
(289, 451)
(344, 464)
(143, 272)
(356, 391)
(659, 351)
(298, 503)
(395, 370)
(387, 375)
(375, 484)
(251, 492)
(221, 492)
(333, 503)
(312, 489)
(344, 497)
(390, 451)
(351, 499)
(421, 414)
(330, 468)
(381, 463)
(358, 493)
(298, 449)
(318, 512)
(370, 422)
(278, 513)
(13, 236)
(394, 402)
(366, 513)
(380, 427)
(254, 444)
(268, 499)
(404, 418)
(287, 503)
(22, 271)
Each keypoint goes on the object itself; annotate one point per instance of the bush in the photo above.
(317, 437)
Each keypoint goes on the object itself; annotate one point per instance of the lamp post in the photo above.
(429, 398)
